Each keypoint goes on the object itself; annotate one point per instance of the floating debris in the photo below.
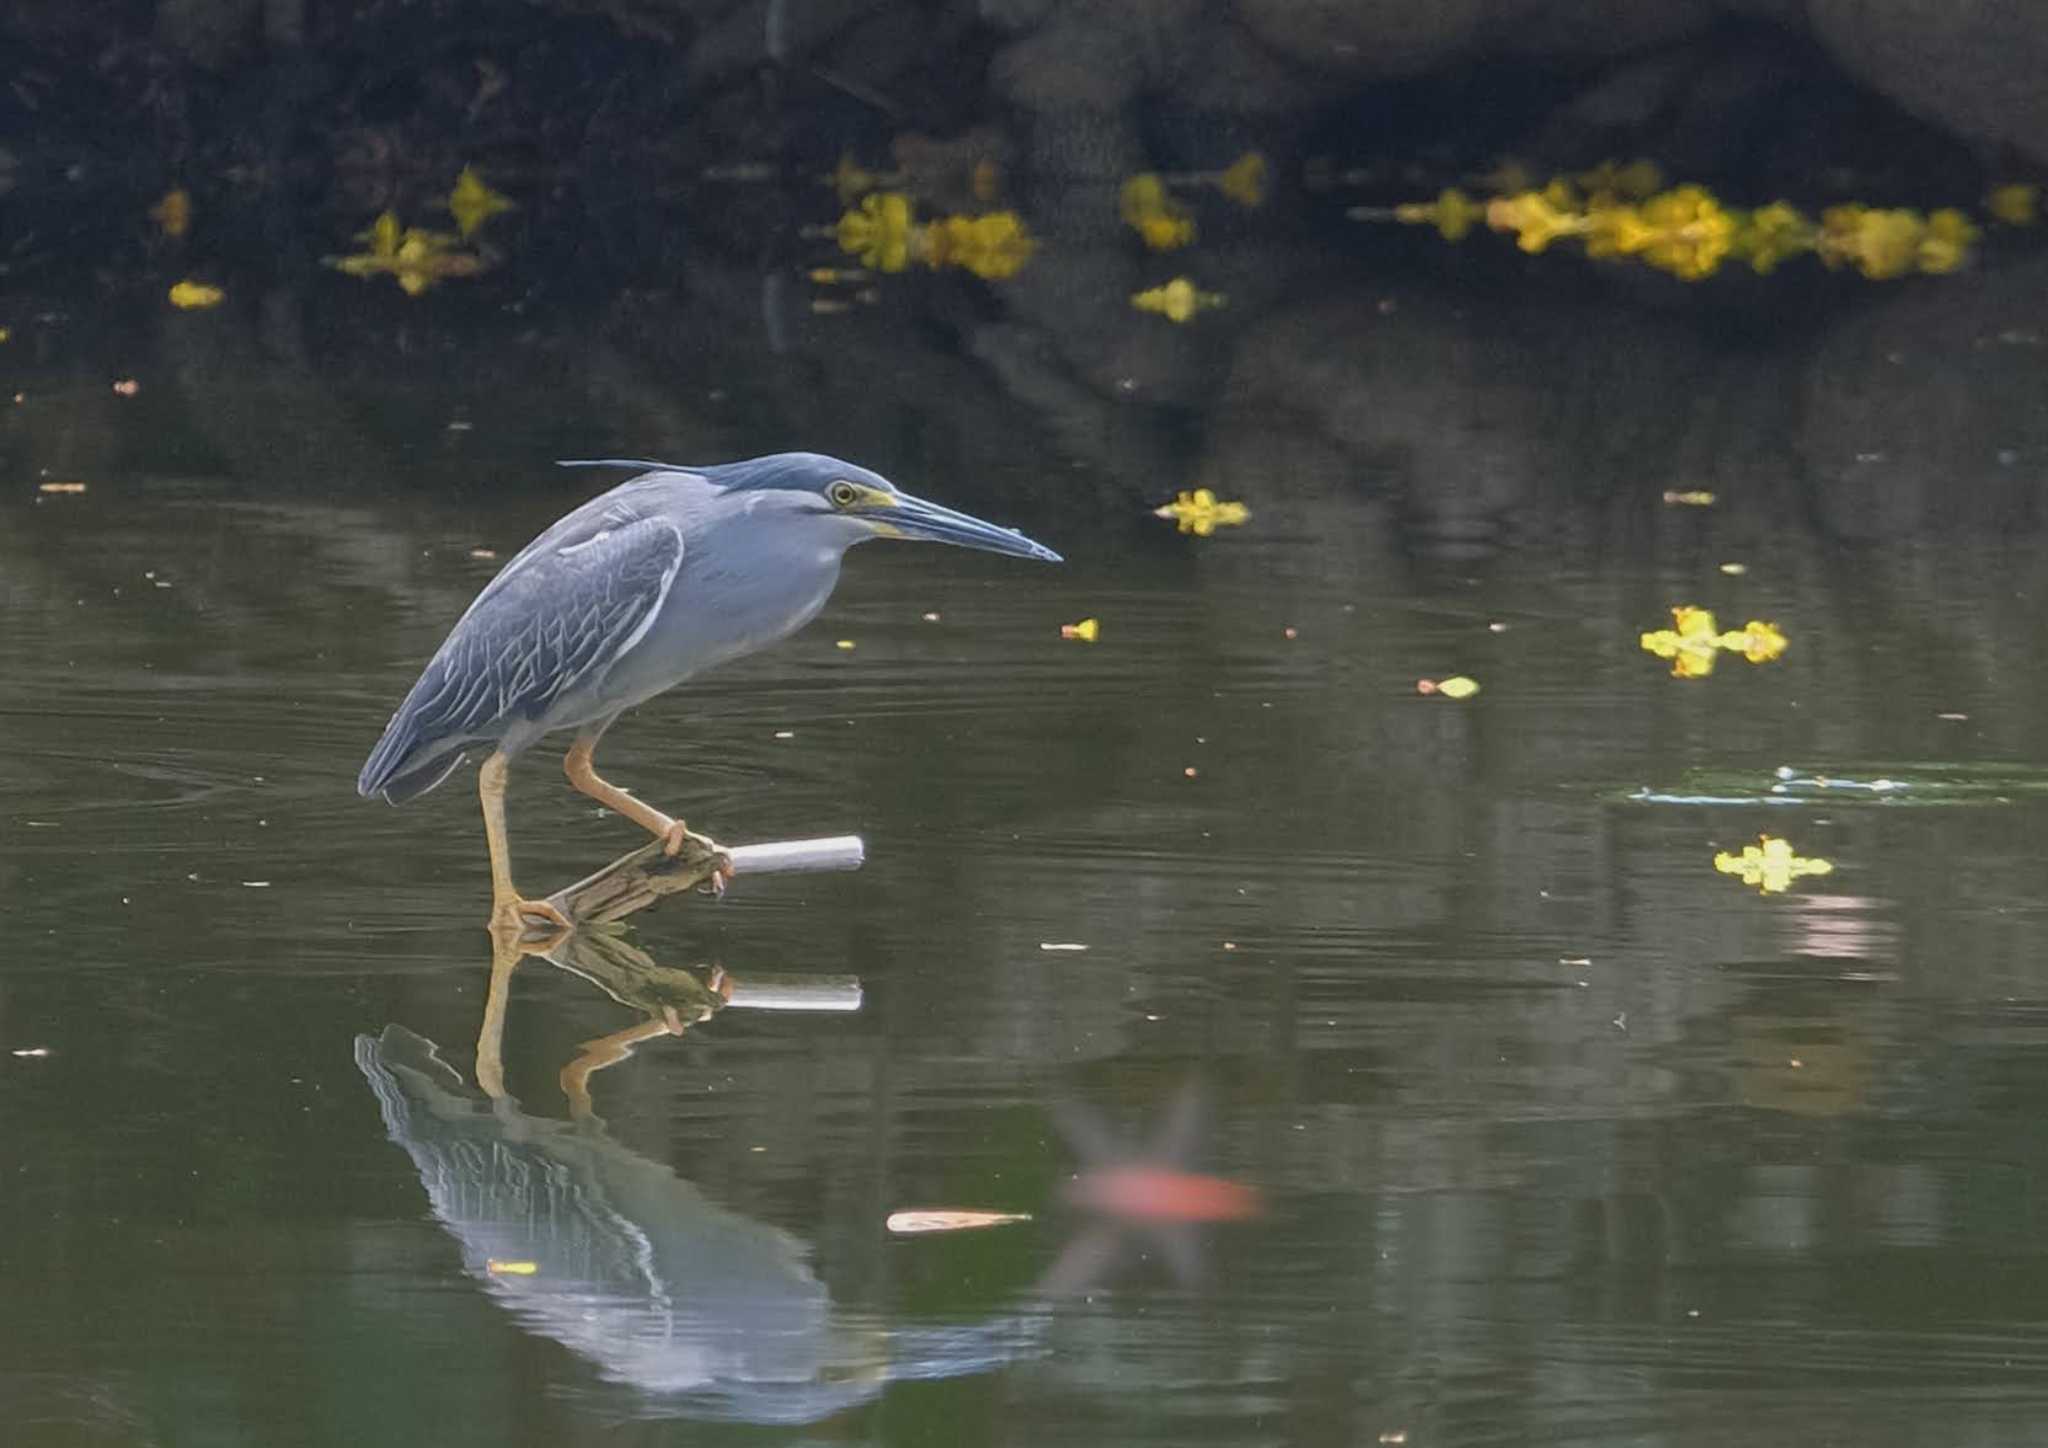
(127, 387)
(1202, 513)
(1177, 301)
(1770, 865)
(31, 1053)
(913, 1223)
(1457, 686)
(1061, 945)
(884, 233)
(1087, 631)
(847, 645)
(1689, 498)
(498, 1268)
(189, 296)
(60, 487)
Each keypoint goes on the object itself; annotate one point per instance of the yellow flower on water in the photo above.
(1535, 218)
(173, 214)
(2017, 204)
(1177, 301)
(1452, 213)
(1201, 514)
(1882, 244)
(1695, 641)
(1945, 245)
(1163, 222)
(1771, 234)
(1244, 181)
(1758, 641)
(472, 203)
(413, 257)
(187, 295)
(1770, 865)
(1693, 233)
(993, 246)
(878, 231)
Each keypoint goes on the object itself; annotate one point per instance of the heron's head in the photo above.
(858, 505)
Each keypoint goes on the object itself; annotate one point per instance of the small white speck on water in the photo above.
(257, 884)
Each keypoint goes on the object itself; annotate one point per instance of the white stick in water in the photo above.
(793, 993)
(790, 857)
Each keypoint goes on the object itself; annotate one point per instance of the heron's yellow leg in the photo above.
(582, 772)
(511, 912)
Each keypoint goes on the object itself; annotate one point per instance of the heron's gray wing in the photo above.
(554, 620)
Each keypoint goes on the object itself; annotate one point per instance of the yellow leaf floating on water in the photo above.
(415, 258)
(1695, 641)
(905, 1224)
(1087, 631)
(472, 203)
(1201, 513)
(878, 231)
(1457, 687)
(173, 214)
(1453, 214)
(1146, 206)
(1177, 301)
(498, 1268)
(60, 487)
(1770, 865)
(188, 295)
(994, 246)
(1690, 498)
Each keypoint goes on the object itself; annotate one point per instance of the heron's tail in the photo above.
(403, 766)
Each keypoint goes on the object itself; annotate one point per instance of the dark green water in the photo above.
(1562, 1135)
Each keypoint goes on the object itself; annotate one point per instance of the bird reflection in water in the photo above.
(704, 1312)
(1142, 1195)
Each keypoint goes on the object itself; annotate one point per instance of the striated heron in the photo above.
(666, 575)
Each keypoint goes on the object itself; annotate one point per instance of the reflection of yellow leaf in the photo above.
(1146, 206)
(1452, 213)
(173, 214)
(1770, 865)
(472, 203)
(187, 295)
(2017, 204)
(1244, 181)
(1177, 301)
(1201, 513)
(1087, 631)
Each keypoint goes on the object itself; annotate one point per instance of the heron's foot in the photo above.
(515, 918)
(679, 838)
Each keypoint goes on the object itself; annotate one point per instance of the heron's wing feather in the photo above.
(554, 620)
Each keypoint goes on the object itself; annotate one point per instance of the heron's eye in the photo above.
(843, 494)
